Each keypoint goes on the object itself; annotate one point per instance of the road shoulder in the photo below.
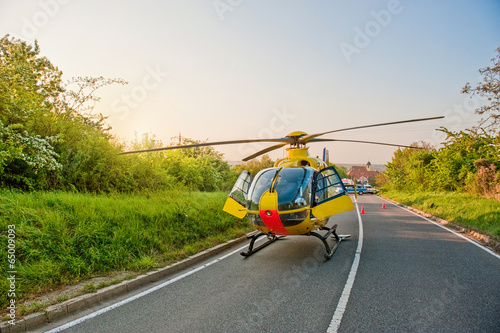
(484, 240)
(85, 301)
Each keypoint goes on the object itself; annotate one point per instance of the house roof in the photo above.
(360, 171)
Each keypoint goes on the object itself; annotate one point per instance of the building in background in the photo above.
(362, 173)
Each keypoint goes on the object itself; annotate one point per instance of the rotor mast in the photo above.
(295, 139)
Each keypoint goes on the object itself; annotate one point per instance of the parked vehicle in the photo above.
(370, 189)
(359, 188)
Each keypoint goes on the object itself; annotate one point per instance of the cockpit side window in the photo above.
(240, 189)
(328, 185)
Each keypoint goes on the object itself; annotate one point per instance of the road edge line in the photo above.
(139, 295)
(346, 292)
(443, 226)
(82, 302)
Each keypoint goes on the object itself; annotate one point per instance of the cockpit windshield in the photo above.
(293, 185)
(262, 182)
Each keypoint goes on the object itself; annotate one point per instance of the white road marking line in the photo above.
(342, 304)
(344, 298)
(448, 229)
(144, 293)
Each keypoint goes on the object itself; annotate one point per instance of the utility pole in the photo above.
(175, 137)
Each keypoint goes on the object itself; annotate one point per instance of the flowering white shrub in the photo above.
(37, 152)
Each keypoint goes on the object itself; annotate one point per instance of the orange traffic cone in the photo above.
(362, 209)
(383, 205)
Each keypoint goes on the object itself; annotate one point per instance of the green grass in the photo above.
(472, 212)
(63, 238)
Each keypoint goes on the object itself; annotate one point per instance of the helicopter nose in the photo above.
(268, 211)
(272, 221)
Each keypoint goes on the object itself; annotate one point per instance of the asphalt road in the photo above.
(409, 275)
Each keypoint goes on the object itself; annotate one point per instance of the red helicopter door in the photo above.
(237, 199)
(330, 195)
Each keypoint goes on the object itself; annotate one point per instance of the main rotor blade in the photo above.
(312, 136)
(263, 151)
(204, 144)
(358, 141)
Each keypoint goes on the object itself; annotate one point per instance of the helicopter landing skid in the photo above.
(251, 250)
(333, 232)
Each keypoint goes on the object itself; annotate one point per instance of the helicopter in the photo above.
(296, 196)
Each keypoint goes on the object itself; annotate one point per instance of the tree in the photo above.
(468, 161)
(49, 137)
(490, 89)
(454, 162)
(200, 168)
(342, 171)
(255, 165)
(409, 168)
(29, 84)
(380, 180)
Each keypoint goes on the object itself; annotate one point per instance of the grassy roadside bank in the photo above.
(62, 238)
(471, 212)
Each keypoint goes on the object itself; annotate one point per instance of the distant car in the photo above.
(370, 189)
(359, 188)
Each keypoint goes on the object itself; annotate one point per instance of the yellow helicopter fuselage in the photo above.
(295, 197)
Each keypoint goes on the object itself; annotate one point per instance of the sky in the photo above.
(239, 69)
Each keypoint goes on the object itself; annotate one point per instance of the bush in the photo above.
(51, 140)
(457, 166)
(485, 182)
